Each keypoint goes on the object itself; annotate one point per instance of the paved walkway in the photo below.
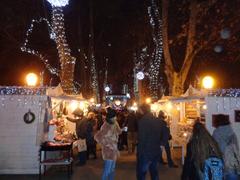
(125, 170)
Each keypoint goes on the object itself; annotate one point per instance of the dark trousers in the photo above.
(143, 165)
(82, 157)
(168, 153)
(91, 149)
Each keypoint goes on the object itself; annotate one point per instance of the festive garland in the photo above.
(29, 117)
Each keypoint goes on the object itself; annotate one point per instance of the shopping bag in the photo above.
(81, 145)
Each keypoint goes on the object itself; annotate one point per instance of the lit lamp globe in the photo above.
(140, 75)
(107, 89)
(31, 79)
(208, 82)
(58, 3)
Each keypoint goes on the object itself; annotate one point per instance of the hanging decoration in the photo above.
(64, 52)
(29, 117)
(154, 69)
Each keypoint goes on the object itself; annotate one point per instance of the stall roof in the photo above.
(57, 93)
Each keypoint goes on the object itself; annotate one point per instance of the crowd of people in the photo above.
(208, 157)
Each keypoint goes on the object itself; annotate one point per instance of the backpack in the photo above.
(213, 169)
(232, 156)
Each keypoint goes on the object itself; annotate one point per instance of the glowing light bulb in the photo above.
(204, 106)
(208, 82)
(148, 100)
(31, 79)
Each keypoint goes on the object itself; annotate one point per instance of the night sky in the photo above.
(121, 28)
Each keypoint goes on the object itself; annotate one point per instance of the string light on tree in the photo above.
(52, 35)
(156, 23)
(64, 52)
(27, 49)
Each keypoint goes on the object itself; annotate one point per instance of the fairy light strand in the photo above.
(64, 52)
(25, 47)
(156, 23)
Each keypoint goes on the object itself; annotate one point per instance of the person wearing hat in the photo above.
(107, 137)
(166, 137)
(81, 132)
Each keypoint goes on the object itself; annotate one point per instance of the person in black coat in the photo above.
(167, 136)
(149, 143)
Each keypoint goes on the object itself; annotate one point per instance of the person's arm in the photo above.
(99, 136)
(118, 129)
(73, 120)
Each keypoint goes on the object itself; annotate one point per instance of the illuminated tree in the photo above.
(64, 52)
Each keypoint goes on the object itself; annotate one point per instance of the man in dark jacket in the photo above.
(81, 132)
(149, 144)
(166, 136)
(132, 132)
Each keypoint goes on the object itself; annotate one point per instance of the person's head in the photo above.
(161, 115)
(78, 113)
(144, 109)
(111, 115)
(203, 145)
(220, 120)
(91, 115)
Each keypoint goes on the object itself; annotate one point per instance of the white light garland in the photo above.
(157, 53)
(27, 49)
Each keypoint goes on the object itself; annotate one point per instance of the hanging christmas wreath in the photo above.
(29, 117)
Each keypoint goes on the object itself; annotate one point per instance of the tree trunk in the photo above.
(175, 79)
(66, 60)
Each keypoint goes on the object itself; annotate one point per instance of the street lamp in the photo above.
(208, 82)
(31, 79)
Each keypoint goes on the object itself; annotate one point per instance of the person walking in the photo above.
(166, 136)
(132, 132)
(149, 142)
(227, 141)
(203, 157)
(91, 127)
(107, 137)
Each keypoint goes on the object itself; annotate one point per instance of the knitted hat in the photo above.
(78, 112)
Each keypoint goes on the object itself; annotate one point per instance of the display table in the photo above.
(65, 150)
